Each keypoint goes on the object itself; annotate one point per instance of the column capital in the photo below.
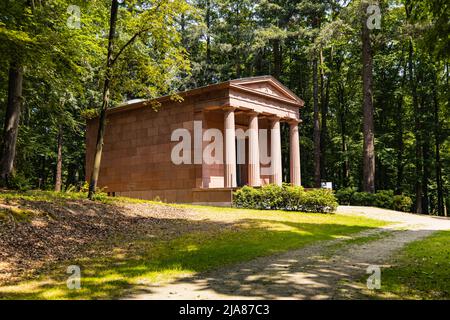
(294, 121)
(252, 113)
(229, 108)
(274, 119)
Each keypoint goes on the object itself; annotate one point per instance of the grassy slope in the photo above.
(256, 233)
(421, 270)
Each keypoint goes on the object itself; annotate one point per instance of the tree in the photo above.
(154, 24)
(368, 126)
(12, 117)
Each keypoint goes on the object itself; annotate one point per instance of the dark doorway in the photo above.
(241, 169)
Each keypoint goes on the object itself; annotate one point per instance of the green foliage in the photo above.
(345, 196)
(363, 199)
(402, 203)
(19, 182)
(382, 199)
(288, 198)
(227, 39)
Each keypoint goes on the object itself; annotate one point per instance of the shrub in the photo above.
(246, 197)
(363, 199)
(289, 198)
(345, 196)
(402, 203)
(382, 199)
(270, 197)
(318, 200)
(19, 182)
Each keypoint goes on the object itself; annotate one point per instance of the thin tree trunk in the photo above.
(426, 162)
(417, 125)
(58, 176)
(11, 127)
(208, 79)
(316, 132)
(426, 178)
(277, 58)
(324, 100)
(437, 135)
(41, 182)
(105, 103)
(345, 166)
(400, 146)
(368, 126)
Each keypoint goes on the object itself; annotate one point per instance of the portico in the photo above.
(256, 106)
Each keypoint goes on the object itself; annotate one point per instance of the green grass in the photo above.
(16, 215)
(421, 271)
(7, 196)
(253, 234)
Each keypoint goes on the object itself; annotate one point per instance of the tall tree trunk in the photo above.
(277, 58)
(12, 116)
(105, 103)
(58, 175)
(259, 70)
(345, 165)
(417, 124)
(208, 78)
(426, 178)
(324, 100)
(316, 132)
(400, 146)
(417, 132)
(425, 159)
(42, 173)
(437, 136)
(368, 126)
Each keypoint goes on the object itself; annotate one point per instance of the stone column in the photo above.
(254, 175)
(295, 153)
(230, 149)
(275, 151)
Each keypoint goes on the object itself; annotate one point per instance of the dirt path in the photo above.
(327, 270)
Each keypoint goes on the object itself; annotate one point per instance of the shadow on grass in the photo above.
(303, 276)
(209, 245)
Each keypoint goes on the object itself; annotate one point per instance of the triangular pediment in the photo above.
(268, 86)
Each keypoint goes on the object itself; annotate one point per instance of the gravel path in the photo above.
(326, 270)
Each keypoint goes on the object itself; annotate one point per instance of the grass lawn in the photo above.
(421, 271)
(147, 261)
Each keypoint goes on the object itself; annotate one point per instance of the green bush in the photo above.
(288, 198)
(345, 196)
(19, 182)
(270, 197)
(402, 203)
(363, 199)
(247, 197)
(318, 200)
(382, 199)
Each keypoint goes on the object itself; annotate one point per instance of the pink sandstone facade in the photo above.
(137, 162)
